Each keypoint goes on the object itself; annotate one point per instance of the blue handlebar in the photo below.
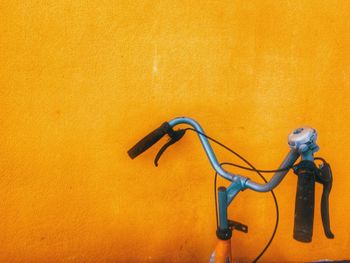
(244, 182)
(207, 148)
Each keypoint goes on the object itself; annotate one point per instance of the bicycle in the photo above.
(302, 143)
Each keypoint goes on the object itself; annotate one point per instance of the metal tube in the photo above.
(245, 182)
(290, 159)
(207, 148)
(222, 198)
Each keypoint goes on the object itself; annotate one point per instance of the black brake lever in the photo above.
(325, 177)
(174, 137)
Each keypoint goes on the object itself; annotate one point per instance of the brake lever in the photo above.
(325, 177)
(174, 137)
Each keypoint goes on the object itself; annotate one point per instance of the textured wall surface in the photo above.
(81, 81)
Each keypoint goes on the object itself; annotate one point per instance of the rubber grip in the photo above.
(149, 140)
(304, 206)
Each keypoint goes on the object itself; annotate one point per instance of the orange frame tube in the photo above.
(222, 252)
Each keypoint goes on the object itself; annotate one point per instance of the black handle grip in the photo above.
(150, 139)
(304, 202)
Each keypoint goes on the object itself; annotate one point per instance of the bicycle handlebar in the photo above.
(207, 147)
(167, 128)
(289, 160)
(302, 141)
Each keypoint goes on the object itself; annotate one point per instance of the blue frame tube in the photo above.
(222, 204)
(290, 159)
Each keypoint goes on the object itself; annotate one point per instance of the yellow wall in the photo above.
(81, 81)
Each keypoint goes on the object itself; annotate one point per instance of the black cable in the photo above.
(240, 157)
(216, 202)
(261, 176)
(277, 219)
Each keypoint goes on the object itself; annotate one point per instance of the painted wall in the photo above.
(82, 81)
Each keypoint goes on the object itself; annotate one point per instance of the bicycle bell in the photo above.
(303, 139)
